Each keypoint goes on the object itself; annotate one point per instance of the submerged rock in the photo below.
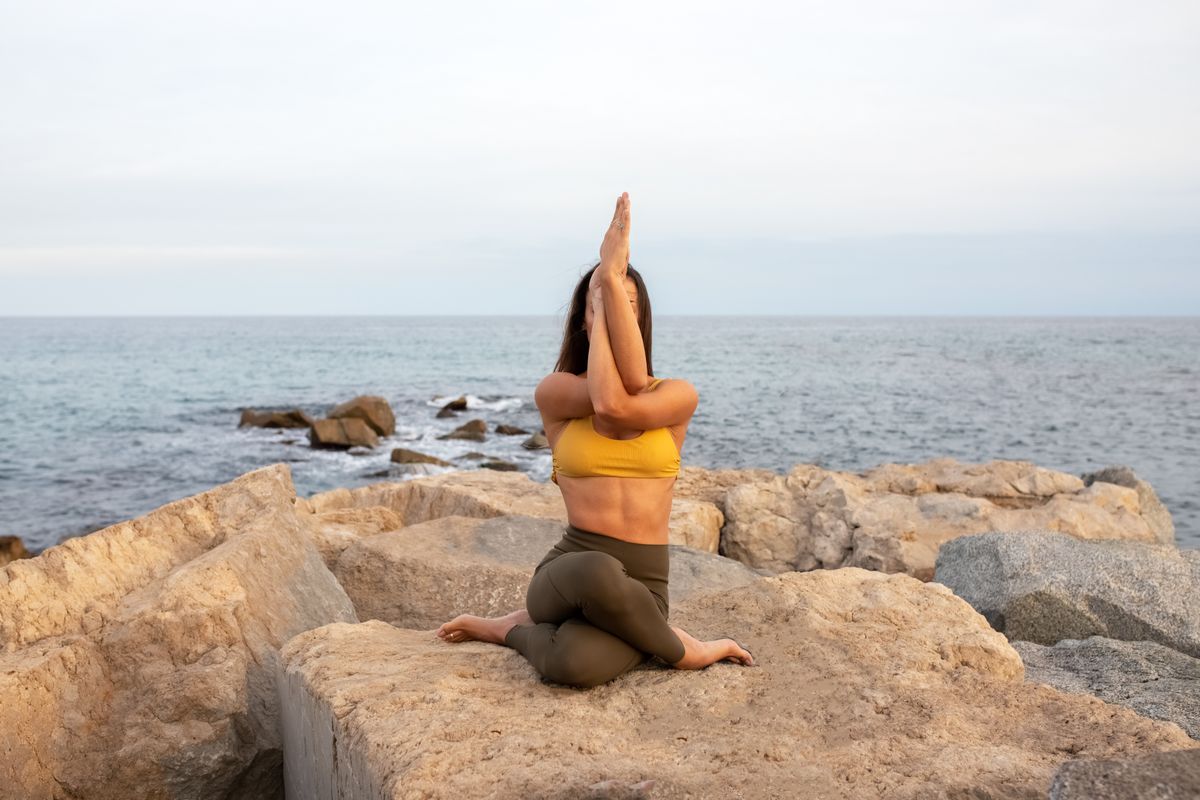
(275, 419)
(1043, 587)
(867, 685)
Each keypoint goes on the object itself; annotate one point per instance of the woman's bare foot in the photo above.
(467, 627)
(698, 654)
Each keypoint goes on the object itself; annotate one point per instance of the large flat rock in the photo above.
(425, 574)
(140, 660)
(868, 685)
(1042, 586)
(893, 518)
(1153, 680)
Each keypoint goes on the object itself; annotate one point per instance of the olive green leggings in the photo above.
(599, 607)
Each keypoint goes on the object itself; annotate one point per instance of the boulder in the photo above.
(1152, 509)
(499, 465)
(140, 660)
(537, 441)
(491, 493)
(1153, 680)
(401, 455)
(1173, 775)
(12, 548)
(474, 430)
(371, 409)
(342, 434)
(868, 685)
(1043, 587)
(275, 419)
(334, 530)
(894, 517)
(510, 430)
(427, 573)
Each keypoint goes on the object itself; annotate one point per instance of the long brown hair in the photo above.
(573, 356)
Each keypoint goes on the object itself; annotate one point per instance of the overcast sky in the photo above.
(464, 158)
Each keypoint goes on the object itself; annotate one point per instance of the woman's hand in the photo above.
(614, 250)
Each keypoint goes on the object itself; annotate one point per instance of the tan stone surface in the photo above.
(869, 685)
(139, 660)
(894, 517)
(427, 573)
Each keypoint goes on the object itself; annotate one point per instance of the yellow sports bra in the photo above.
(581, 452)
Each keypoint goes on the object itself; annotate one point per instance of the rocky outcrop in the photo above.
(1043, 587)
(426, 574)
(371, 409)
(895, 517)
(334, 530)
(1172, 775)
(275, 419)
(1153, 680)
(1151, 508)
(491, 493)
(868, 685)
(140, 660)
(341, 434)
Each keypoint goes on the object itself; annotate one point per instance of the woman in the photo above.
(596, 606)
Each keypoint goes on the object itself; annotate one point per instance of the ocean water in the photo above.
(105, 418)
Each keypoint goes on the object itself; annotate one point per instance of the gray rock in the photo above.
(1173, 775)
(1153, 680)
(1042, 586)
(1152, 509)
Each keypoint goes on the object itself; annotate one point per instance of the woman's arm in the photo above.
(604, 381)
(625, 337)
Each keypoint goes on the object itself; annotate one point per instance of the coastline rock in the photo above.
(427, 573)
(510, 430)
(12, 548)
(1153, 680)
(1173, 775)
(334, 530)
(868, 685)
(893, 518)
(490, 493)
(342, 434)
(1152, 509)
(275, 419)
(450, 409)
(537, 441)
(499, 465)
(474, 430)
(1041, 586)
(140, 660)
(371, 409)
(401, 455)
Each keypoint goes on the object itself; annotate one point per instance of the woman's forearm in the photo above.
(625, 337)
(604, 381)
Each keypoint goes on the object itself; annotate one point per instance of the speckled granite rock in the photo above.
(1040, 586)
(1153, 680)
(893, 518)
(868, 685)
(1173, 775)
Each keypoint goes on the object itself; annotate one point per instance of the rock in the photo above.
(711, 485)
(490, 493)
(895, 517)
(140, 660)
(868, 685)
(510, 430)
(12, 548)
(1153, 511)
(450, 409)
(371, 409)
(474, 431)
(473, 455)
(334, 530)
(1173, 775)
(427, 573)
(500, 465)
(402, 455)
(342, 434)
(537, 441)
(1041, 586)
(275, 419)
(1153, 680)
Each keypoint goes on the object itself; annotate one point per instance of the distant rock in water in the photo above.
(474, 431)
(501, 465)
(536, 442)
(371, 409)
(275, 419)
(452, 408)
(342, 434)
(473, 455)
(12, 548)
(401, 455)
(510, 430)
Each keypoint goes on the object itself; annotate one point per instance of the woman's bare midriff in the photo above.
(631, 509)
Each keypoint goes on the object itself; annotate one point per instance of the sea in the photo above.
(103, 419)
